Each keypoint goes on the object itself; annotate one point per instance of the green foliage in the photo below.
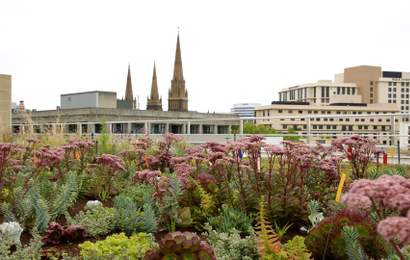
(139, 193)
(267, 241)
(251, 128)
(230, 245)
(30, 251)
(132, 219)
(326, 239)
(296, 249)
(118, 246)
(281, 230)
(98, 221)
(66, 197)
(169, 209)
(230, 218)
(353, 248)
(104, 139)
(40, 206)
(293, 136)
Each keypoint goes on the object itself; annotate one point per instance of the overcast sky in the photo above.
(232, 51)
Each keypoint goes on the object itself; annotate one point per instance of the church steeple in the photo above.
(154, 102)
(129, 96)
(178, 95)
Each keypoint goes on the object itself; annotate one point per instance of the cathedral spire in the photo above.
(178, 95)
(178, 72)
(129, 96)
(154, 102)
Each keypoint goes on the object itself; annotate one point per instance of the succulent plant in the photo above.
(56, 233)
(182, 245)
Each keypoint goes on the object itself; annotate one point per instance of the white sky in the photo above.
(232, 51)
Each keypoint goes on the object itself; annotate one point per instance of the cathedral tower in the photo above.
(129, 96)
(154, 102)
(178, 95)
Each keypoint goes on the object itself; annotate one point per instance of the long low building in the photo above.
(374, 120)
(123, 121)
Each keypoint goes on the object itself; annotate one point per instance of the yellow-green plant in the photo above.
(118, 246)
(266, 239)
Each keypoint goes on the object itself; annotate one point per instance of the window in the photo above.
(290, 111)
(284, 126)
(402, 84)
(371, 83)
(348, 91)
(394, 83)
(353, 91)
(407, 84)
(338, 90)
(356, 119)
(394, 89)
(343, 90)
(389, 95)
(321, 127)
(390, 83)
(389, 89)
(300, 111)
(314, 126)
(280, 111)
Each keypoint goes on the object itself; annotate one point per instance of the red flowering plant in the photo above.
(107, 167)
(10, 165)
(45, 160)
(359, 151)
(141, 146)
(77, 151)
(164, 153)
(388, 199)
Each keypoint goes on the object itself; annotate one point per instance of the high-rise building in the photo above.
(244, 109)
(178, 95)
(154, 102)
(5, 104)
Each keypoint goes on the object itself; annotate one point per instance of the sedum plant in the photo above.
(182, 245)
(30, 251)
(118, 246)
(230, 245)
(98, 221)
(231, 218)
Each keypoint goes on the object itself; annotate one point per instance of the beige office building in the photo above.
(360, 100)
(373, 120)
(5, 104)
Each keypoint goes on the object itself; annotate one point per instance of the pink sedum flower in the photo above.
(395, 229)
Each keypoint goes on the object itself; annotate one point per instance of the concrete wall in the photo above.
(94, 99)
(366, 78)
(79, 100)
(107, 100)
(5, 104)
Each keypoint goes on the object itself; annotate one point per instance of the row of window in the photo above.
(395, 90)
(280, 111)
(346, 91)
(335, 127)
(407, 84)
(340, 119)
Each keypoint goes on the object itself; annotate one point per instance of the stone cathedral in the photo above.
(177, 94)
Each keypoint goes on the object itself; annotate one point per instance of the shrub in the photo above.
(29, 251)
(230, 218)
(326, 239)
(118, 246)
(98, 221)
(230, 245)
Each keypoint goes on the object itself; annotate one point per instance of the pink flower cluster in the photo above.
(385, 193)
(48, 158)
(147, 176)
(113, 162)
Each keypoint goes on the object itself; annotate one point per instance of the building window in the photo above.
(280, 111)
(343, 90)
(300, 111)
(290, 111)
(394, 83)
(389, 95)
(371, 83)
(407, 84)
(338, 90)
(390, 83)
(402, 84)
(353, 91)
(284, 126)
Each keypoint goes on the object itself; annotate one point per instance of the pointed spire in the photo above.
(129, 96)
(154, 85)
(153, 101)
(178, 72)
(178, 95)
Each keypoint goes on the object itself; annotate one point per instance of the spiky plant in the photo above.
(353, 248)
(266, 239)
(65, 198)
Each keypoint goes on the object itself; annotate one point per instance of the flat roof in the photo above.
(88, 92)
